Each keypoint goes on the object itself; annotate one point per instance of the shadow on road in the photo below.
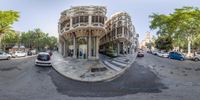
(137, 79)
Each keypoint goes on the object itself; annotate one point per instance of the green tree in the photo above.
(7, 18)
(52, 41)
(153, 41)
(10, 39)
(183, 24)
(164, 42)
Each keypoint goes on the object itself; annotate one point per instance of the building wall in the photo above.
(83, 29)
(120, 34)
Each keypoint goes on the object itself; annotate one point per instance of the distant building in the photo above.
(147, 40)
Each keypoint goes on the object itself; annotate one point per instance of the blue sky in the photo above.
(44, 14)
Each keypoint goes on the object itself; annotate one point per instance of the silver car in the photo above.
(43, 59)
(196, 58)
(4, 55)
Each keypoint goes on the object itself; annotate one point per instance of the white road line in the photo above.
(23, 57)
(121, 61)
(112, 66)
(118, 63)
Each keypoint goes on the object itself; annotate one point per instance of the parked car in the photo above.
(176, 55)
(163, 54)
(196, 58)
(19, 54)
(43, 59)
(4, 55)
(155, 52)
(140, 53)
(34, 52)
(29, 53)
(149, 51)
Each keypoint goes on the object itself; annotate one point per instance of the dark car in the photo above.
(176, 55)
(149, 51)
(29, 53)
(140, 54)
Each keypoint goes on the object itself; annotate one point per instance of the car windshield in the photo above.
(43, 57)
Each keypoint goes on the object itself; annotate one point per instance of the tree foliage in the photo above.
(34, 39)
(183, 25)
(7, 18)
(164, 42)
(10, 39)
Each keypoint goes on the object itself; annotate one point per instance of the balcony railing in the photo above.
(98, 24)
(80, 24)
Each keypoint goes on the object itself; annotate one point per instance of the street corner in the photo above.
(91, 70)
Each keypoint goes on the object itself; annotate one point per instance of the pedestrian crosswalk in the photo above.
(112, 66)
(117, 64)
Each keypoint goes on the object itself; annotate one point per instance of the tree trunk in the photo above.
(0, 44)
(189, 47)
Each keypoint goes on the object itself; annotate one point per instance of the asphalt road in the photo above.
(20, 79)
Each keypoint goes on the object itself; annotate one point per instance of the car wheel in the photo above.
(8, 58)
(196, 59)
(181, 59)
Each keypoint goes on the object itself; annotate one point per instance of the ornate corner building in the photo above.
(84, 31)
(120, 34)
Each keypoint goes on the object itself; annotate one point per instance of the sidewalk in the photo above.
(91, 70)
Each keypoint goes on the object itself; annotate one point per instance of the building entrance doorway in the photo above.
(82, 47)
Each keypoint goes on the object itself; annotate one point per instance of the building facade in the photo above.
(83, 29)
(80, 29)
(120, 34)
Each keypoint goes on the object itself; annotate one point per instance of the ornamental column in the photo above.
(89, 46)
(90, 20)
(123, 31)
(71, 23)
(97, 47)
(74, 45)
(64, 50)
(118, 48)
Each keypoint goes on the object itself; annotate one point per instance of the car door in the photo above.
(177, 56)
(172, 55)
(1, 55)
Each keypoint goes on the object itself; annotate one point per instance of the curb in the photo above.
(23, 57)
(110, 78)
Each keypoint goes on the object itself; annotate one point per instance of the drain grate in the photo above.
(98, 69)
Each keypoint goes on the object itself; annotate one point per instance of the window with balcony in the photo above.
(95, 19)
(125, 31)
(113, 33)
(119, 23)
(119, 31)
(98, 19)
(101, 19)
(75, 20)
(83, 19)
